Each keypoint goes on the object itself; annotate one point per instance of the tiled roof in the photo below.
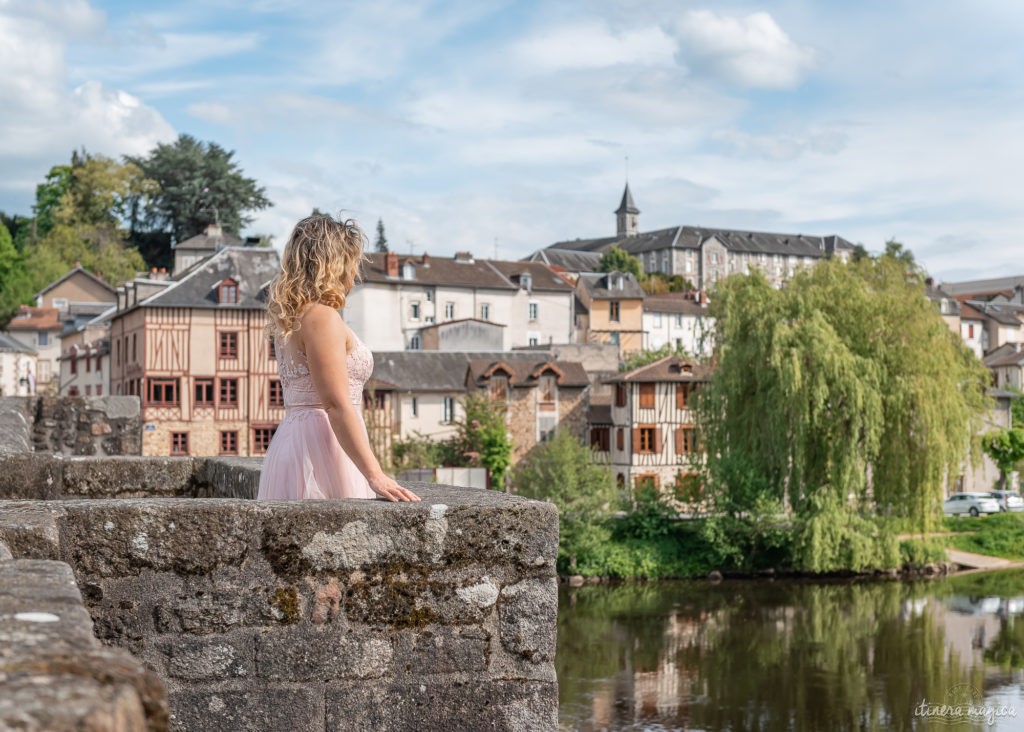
(450, 272)
(252, 267)
(526, 372)
(670, 368)
(673, 302)
(30, 318)
(598, 289)
(969, 312)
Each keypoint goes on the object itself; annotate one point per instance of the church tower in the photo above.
(627, 216)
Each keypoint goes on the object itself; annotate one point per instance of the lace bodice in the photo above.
(299, 390)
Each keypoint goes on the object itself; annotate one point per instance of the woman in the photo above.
(321, 449)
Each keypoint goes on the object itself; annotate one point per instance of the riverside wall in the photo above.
(180, 603)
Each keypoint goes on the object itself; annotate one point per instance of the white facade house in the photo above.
(973, 330)
(400, 297)
(677, 321)
(85, 359)
(39, 330)
(18, 367)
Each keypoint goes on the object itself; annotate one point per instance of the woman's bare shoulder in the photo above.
(322, 320)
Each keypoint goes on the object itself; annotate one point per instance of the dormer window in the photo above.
(615, 281)
(526, 281)
(408, 271)
(227, 292)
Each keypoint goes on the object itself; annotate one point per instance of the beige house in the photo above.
(610, 309)
(193, 348)
(39, 329)
(85, 358)
(18, 366)
(78, 287)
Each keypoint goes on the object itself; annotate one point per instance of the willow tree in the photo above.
(842, 397)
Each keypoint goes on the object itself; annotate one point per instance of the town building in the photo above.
(78, 296)
(649, 433)
(401, 300)
(197, 248)
(679, 321)
(18, 367)
(39, 329)
(1007, 366)
(610, 309)
(704, 255)
(85, 358)
(194, 348)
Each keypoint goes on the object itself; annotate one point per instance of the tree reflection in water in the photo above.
(786, 655)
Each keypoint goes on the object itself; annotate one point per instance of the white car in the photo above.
(973, 504)
(1008, 500)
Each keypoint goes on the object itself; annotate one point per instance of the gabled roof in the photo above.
(79, 269)
(32, 318)
(206, 241)
(673, 302)
(196, 287)
(597, 286)
(984, 288)
(1009, 354)
(526, 372)
(445, 323)
(449, 272)
(543, 277)
(670, 368)
(568, 259)
(969, 312)
(446, 371)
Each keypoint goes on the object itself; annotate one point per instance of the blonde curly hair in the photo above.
(320, 264)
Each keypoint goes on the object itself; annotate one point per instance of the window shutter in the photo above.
(657, 440)
(619, 439)
(679, 440)
(680, 396)
(636, 440)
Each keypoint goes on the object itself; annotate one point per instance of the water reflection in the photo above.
(790, 655)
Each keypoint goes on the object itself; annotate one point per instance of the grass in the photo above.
(1001, 535)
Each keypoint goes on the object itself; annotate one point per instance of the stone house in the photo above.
(193, 347)
(678, 320)
(610, 309)
(704, 255)
(401, 300)
(18, 367)
(650, 430)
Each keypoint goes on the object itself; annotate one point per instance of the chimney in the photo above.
(929, 282)
(213, 231)
(426, 259)
(464, 257)
(391, 264)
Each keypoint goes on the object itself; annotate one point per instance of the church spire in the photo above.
(627, 215)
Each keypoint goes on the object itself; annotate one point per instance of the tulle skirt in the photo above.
(304, 460)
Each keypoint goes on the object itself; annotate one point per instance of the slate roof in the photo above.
(32, 318)
(670, 368)
(1003, 313)
(526, 372)
(627, 205)
(446, 371)
(544, 278)
(444, 271)
(597, 286)
(997, 285)
(75, 270)
(203, 241)
(673, 302)
(252, 267)
(13, 345)
(692, 237)
(568, 259)
(1012, 357)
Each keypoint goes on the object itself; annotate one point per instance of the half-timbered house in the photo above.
(652, 437)
(193, 349)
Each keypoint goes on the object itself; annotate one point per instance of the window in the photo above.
(373, 399)
(970, 332)
(533, 311)
(74, 362)
(99, 363)
(499, 388)
(449, 310)
(657, 320)
(613, 311)
(203, 393)
(61, 303)
(429, 294)
(679, 320)
(685, 440)
(162, 391)
(646, 396)
(135, 350)
(646, 439)
(414, 311)
(620, 439)
(276, 393)
(547, 393)
(414, 407)
(88, 389)
(229, 443)
(600, 438)
(88, 363)
(229, 392)
(449, 410)
(179, 443)
(272, 353)
(228, 344)
(532, 341)
(684, 392)
(648, 482)
(414, 343)
(526, 281)
(44, 338)
(117, 352)
(485, 311)
(99, 390)
(261, 437)
(227, 293)
(620, 395)
(408, 271)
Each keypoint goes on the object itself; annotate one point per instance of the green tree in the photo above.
(642, 358)
(381, 245)
(563, 471)
(657, 283)
(15, 288)
(49, 195)
(617, 259)
(199, 183)
(482, 437)
(846, 372)
(1006, 448)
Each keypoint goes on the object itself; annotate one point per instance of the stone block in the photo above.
(200, 658)
(30, 530)
(438, 649)
(15, 430)
(528, 612)
(265, 709)
(122, 537)
(28, 475)
(228, 477)
(127, 477)
(307, 652)
(441, 705)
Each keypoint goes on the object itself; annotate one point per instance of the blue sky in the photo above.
(495, 125)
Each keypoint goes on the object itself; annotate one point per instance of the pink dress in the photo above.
(304, 459)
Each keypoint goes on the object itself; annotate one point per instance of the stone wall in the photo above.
(72, 425)
(298, 615)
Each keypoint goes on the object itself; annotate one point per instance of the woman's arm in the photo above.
(329, 369)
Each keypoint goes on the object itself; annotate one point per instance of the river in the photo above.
(794, 655)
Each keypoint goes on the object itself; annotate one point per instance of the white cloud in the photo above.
(784, 147)
(751, 51)
(592, 45)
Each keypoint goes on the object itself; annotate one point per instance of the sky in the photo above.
(500, 127)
